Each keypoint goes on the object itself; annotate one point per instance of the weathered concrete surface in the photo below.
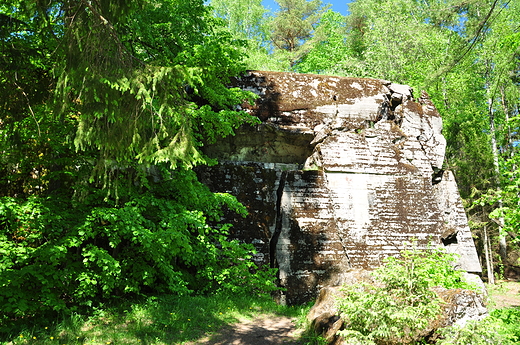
(339, 174)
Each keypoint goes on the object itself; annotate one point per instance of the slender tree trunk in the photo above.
(501, 236)
(510, 139)
(445, 94)
(489, 265)
(491, 258)
(510, 144)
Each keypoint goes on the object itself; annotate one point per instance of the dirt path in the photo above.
(263, 330)
(505, 295)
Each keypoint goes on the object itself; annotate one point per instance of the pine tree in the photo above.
(293, 25)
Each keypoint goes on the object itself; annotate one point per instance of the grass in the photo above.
(155, 320)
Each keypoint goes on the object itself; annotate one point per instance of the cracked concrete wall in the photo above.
(341, 172)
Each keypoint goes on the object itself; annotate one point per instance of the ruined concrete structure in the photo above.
(340, 174)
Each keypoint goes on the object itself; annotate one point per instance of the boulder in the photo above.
(324, 318)
(338, 175)
(461, 306)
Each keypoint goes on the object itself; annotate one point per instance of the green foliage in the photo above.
(329, 48)
(149, 85)
(310, 338)
(144, 81)
(98, 100)
(32, 139)
(418, 270)
(509, 197)
(293, 24)
(58, 253)
(399, 304)
(248, 21)
(245, 19)
(491, 330)
(510, 319)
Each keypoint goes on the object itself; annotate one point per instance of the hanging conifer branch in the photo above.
(135, 107)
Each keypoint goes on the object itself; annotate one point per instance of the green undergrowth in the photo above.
(500, 327)
(154, 320)
(510, 318)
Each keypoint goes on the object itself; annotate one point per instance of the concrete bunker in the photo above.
(339, 174)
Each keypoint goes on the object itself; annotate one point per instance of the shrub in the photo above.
(59, 254)
(399, 303)
(490, 330)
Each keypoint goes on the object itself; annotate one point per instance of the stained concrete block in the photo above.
(340, 174)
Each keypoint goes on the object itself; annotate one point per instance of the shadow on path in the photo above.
(265, 330)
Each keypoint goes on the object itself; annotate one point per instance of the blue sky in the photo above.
(337, 5)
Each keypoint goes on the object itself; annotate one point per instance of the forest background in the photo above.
(105, 106)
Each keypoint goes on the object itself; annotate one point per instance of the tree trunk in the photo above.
(501, 236)
(505, 108)
(489, 264)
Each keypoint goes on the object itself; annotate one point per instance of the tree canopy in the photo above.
(293, 25)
